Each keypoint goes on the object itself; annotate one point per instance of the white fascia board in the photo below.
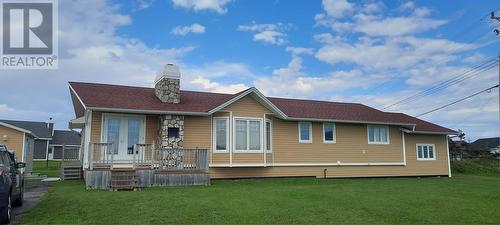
(261, 98)
(348, 121)
(77, 96)
(428, 132)
(309, 164)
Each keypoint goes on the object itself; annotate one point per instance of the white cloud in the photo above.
(369, 20)
(337, 8)
(143, 4)
(395, 26)
(400, 52)
(271, 33)
(206, 84)
(299, 50)
(200, 5)
(194, 28)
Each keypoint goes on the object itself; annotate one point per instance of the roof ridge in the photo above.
(317, 100)
(23, 121)
(141, 87)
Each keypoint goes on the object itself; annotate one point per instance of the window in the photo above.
(269, 136)
(221, 135)
(173, 132)
(305, 132)
(248, 135)
(378, 135)
(329, 133)
(426, 152)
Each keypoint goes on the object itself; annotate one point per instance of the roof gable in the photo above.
(38, 129)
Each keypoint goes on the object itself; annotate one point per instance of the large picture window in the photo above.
(426, 152)
(305, 132)
(248, 134)
(221, 134)
(378, 134)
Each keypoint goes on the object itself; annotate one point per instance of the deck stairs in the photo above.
(71, 172)
(123, 179)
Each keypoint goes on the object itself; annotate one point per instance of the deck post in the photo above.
(91, 155)
(134, 149)
(152, 156)
(112, 155)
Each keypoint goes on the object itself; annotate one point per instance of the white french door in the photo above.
(124, 132)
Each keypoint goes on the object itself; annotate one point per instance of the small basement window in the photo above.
(173, 132)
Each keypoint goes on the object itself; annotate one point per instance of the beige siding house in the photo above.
(248, 134)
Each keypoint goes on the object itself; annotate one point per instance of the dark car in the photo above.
(11, 184)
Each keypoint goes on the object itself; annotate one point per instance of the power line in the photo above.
(455, 49)
(485, 66)
(457, 101)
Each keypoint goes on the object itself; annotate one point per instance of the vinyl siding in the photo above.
(351, 147)
(13, 139)
(412, 168)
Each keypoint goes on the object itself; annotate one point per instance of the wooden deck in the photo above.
(149, 167)
(102, 179)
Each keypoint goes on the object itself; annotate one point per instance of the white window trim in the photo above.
(270, 136)
(310, 132)
(334, 130)
(425, 159)
(378, 142)
(261, 150)
(214, 136)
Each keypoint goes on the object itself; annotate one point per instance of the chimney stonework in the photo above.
(171, 121)
(167, 84)
(168, 90)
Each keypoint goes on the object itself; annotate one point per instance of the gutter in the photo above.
(427, 132)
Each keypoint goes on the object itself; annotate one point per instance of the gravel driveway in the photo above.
(33, 192)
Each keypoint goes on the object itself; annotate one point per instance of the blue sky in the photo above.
(373, 52)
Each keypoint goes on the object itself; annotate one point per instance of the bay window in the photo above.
(221, 134)
(248, 134)
(269, 136)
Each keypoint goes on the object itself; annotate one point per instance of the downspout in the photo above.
(404, 147)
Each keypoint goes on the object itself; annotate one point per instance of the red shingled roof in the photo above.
(141, 98)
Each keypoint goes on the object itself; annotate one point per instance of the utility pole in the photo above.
(497, 32)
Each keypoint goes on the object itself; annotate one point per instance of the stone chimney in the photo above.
(167, 84)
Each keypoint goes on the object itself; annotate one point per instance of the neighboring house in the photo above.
(492, 145)
(250, 135)
(67, 139)
(27, 139)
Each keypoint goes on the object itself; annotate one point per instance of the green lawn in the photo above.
(53, 169)
(463, 199)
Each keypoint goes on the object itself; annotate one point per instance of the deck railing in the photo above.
(102, 155)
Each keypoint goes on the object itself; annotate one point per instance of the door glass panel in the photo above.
(113, 133)
(134, 129)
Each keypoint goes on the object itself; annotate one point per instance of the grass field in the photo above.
(53, 169)
(463, 199)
